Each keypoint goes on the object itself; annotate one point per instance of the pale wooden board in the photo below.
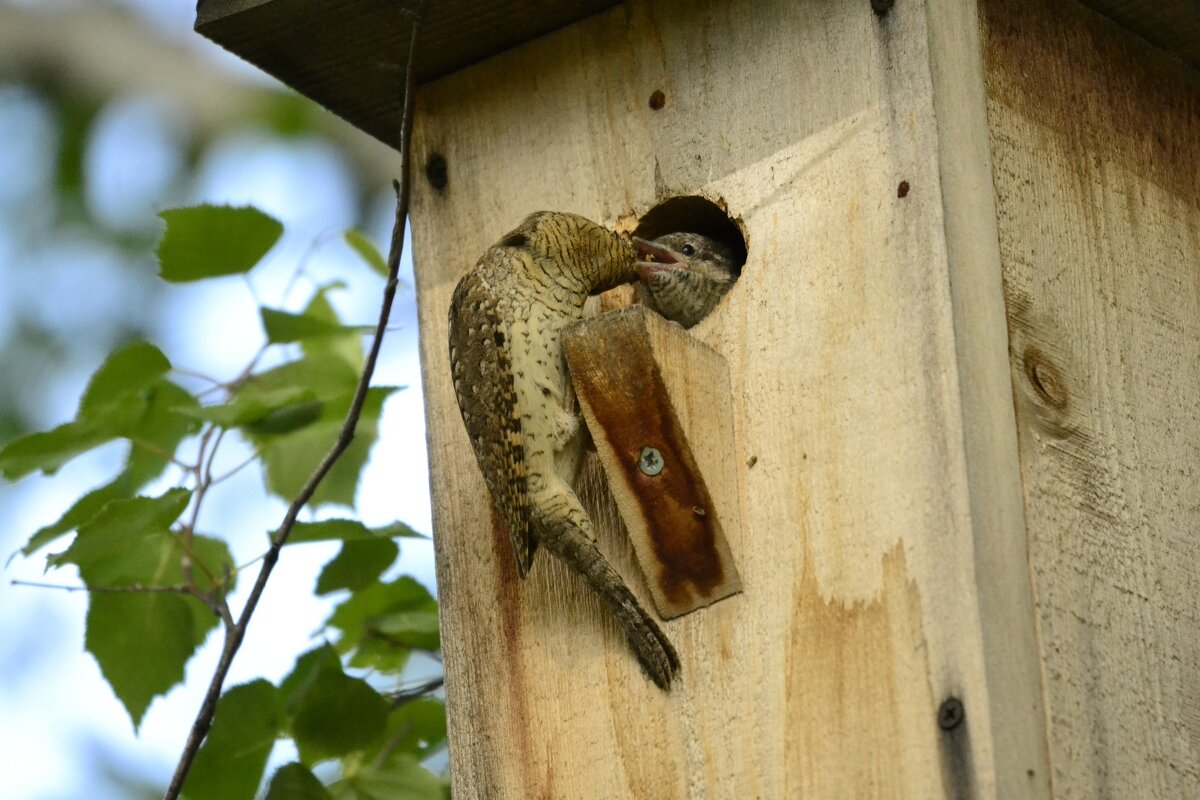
(1096, 147)
(642, 381)
(861, 612)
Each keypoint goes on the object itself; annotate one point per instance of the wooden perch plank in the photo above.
(644, 383)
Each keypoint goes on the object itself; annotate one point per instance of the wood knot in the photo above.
(1045, 379)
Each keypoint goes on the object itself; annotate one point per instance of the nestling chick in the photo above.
(511, 382)
(684, 275)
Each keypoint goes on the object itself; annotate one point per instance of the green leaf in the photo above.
(126, 397)
(399, 777)
(418, 727)
(83, 510)
(347, 530)
(347, 346)
(287, 419)
(128, 369)
(366, 251)
(382, 622)
(49, 450)
(232, 759)
(289, 460)
(207, 241)
(326, 377)
(158, 430)
(308, 667)
(141, 642)
(283, 327)
(358, 565)
(126, 541)
(334, 714)
(417, 628)
(295, 781)
(248, 407)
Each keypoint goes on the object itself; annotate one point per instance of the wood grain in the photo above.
(864, 534)
(1096, 147)
(643, 382)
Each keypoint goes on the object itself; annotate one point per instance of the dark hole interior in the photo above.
(697, 215)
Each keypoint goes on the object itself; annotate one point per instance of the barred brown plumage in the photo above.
(511, 382)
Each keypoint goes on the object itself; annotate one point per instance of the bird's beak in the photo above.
(653, 258)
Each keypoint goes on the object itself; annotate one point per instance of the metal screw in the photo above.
(951, 714)
(650, 462)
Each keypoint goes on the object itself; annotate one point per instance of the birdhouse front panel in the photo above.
(852, 662)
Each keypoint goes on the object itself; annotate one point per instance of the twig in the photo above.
(234, 470)
(402, 696)
(158, 452)
(234, 636)
(133, 588)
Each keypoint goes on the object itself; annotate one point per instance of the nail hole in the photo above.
(437, 171)
(902, 189)
(881, 7)
(657, 99)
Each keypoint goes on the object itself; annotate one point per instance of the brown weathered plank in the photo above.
(349, 55)
(1096, 148)
(864, 536)
(642, 383)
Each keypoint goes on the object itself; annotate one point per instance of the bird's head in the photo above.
(685, 274)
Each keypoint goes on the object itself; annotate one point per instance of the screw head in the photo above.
(650, 461)
(951, 714)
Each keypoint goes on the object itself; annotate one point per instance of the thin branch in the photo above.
(224, 476)
(402, 696)
(133, 588)
(157, 451)
(191, 373)
(234, 636)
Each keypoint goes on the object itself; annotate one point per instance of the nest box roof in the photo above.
(349, 55)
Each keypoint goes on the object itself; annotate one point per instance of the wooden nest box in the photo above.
(962, 418)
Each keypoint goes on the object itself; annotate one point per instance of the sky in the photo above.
(60, 725)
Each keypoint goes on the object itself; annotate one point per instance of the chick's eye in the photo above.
(688, 250)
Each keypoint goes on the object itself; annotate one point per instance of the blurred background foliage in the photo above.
(111, 111)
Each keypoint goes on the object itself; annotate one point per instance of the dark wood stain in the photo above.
(954, 752)
(628, 393)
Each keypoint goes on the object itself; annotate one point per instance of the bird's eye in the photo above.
(688, 250)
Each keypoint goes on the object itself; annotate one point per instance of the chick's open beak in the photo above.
(654, 259)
